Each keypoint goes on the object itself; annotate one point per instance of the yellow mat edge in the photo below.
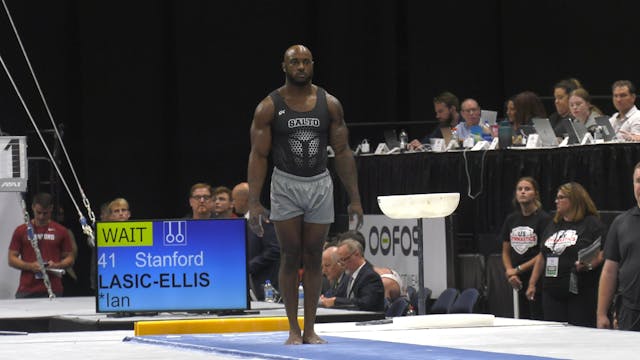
(207, 326)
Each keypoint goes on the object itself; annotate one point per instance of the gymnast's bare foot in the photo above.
(295, 338)
(313, 338)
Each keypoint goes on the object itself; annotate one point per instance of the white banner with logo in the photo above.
(10, 217)
(394, 244)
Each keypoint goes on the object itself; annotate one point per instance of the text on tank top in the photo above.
(299, 139)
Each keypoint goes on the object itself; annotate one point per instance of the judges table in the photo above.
(603, 169)
(78, 314)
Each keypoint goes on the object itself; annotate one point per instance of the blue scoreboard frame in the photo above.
(171, 265)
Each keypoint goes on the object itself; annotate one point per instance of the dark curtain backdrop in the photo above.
(157, 95)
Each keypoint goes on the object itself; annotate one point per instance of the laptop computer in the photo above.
(489, 117)
(608, 133)
(545, 131)
(577, 130)
(391, 139)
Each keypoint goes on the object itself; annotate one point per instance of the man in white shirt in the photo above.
(626, 122)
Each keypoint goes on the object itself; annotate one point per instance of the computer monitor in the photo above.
(171, 265)
(489, 117)
(608, 133)
(545, 131)
(391, 139)
(577, 130)
(527, 130)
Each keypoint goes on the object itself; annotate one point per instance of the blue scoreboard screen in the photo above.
(171, 265)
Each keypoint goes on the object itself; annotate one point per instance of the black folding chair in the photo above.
(445, 301)
(466, 302)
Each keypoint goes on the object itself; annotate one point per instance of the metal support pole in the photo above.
(422, 302)
(516, 304)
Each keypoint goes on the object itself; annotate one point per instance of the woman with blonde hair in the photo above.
(119, 210)
(570, 259)
(582, 110)
(520, 236)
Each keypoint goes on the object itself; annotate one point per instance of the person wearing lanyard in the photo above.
(520, 236)
(570, 259)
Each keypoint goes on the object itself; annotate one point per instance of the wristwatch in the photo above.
(518, 269)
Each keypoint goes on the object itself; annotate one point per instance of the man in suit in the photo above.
(333, 271)
(264, 251)
(364, 289)
(264, 259)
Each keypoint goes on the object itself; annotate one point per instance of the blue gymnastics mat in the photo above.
(270, 345)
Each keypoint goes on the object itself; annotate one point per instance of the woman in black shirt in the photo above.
(520, 236)
(570, 259)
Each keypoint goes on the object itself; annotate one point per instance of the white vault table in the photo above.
(419, 206)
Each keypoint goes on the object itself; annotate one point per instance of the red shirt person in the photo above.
(55, 244)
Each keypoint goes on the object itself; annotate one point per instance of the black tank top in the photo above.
(299, 139)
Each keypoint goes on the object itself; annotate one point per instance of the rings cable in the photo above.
(86, 228)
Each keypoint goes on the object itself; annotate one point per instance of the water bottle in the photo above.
(404, 140)
(505, 135)
(300, 295)
(454, 143)
(268, 291)
(411, 311)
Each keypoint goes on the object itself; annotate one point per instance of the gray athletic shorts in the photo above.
(293, 195)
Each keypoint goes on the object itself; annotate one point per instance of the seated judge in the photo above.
(471, 126)
(527, 105)
(392, 284)
(364, 290)
(333, 271)
(582, 110)
(561, 92)
(446, 106)
(626, 122)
